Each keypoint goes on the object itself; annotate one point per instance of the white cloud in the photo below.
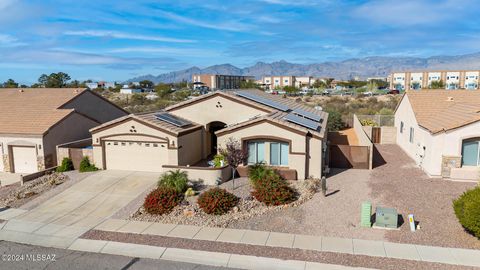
(228, 25)
(121, 35)
(4, 4)
(10, 41)
(167, 50)
(408, 13)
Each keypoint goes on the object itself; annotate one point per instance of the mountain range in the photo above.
(377, 66)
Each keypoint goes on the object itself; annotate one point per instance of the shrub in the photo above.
(260, 171)
(368, 122)
(217, 201)
(162, 200)
(273, 190)
(67, 165)
(467, 210)
(86, 166)
(217, 160)
(177, 180)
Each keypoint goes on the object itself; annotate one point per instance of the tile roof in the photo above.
(442, 110)
(33, 110)
(151, 119)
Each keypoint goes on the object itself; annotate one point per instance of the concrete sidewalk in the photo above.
(454, 256)
(198, 256)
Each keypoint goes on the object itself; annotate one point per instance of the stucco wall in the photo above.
(208, 176)
(74, 127)
(190, 148)
(123, 131)
(95, 107)
(297, 154)
(217, 108)
(363, 139)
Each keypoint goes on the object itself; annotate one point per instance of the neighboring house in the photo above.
(455, 79)
(104, 85)
(275, 82)
(34, 121)
(440, 130)
(128, 91)
(277, 131)
(216, 81)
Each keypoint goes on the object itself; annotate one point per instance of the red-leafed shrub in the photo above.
(217, 201)
(273, 190)
(162, 200)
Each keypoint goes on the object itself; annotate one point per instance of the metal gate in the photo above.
(349, 157)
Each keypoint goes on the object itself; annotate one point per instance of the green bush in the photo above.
(217, 160)
(67, 165)
(86, 166)
(369, 122)
(217, 201)
(174, 179)
(260, 171)
(467, 210)
(161, 200)
(273, 190)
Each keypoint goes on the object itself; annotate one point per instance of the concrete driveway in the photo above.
(81, 207)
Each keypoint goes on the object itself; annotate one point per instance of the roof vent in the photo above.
(449, 98)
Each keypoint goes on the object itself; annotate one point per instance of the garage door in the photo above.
(24, 159)
(135, 156)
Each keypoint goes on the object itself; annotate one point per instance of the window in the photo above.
(411, 135)
(470, 154)
(401, 127)
(256, 152)
(279, 153)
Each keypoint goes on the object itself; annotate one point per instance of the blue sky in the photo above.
(117, 40)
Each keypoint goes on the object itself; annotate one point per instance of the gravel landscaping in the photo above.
(190, 214)
(398, 184)
(265, 251)
(38, 190)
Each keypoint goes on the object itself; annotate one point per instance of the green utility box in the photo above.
(386, 217)
(366, 215)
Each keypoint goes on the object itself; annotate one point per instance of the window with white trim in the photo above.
(256, 152)
(412, 131)
(278, 153)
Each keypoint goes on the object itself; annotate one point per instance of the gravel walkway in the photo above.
(399, 184)
(271, 252)
(402, 185)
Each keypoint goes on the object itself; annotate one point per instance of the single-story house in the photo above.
(275, 130)
(440, 130)
(33, 121)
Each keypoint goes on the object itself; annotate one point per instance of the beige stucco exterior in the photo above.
(212, 119)
(429, 150)
(305, 152)
(89, 110)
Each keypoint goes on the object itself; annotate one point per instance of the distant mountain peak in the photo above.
(372, 66)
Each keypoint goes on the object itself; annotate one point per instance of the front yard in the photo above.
(397, 184)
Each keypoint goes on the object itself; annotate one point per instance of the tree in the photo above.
(10, 83)
(437, 84)
(249, 84)
(235, 155)
(319, 84)
(163, 90)
(146, 84)
(372, 86)
(54, 80)
(291, 90)
(335, 122)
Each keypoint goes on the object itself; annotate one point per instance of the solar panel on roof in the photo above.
(172, 119)
(264, 101)
(302, 121)
(307, 114)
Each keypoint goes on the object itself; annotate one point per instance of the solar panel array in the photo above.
(264, 101)
(310, 124)
(307, 114)
(172, 119)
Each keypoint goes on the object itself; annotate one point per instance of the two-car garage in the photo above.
(135, 155)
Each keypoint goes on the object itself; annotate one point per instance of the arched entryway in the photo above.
(212, 127)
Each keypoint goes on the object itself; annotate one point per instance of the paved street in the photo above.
(72, 260)
(76, 210)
